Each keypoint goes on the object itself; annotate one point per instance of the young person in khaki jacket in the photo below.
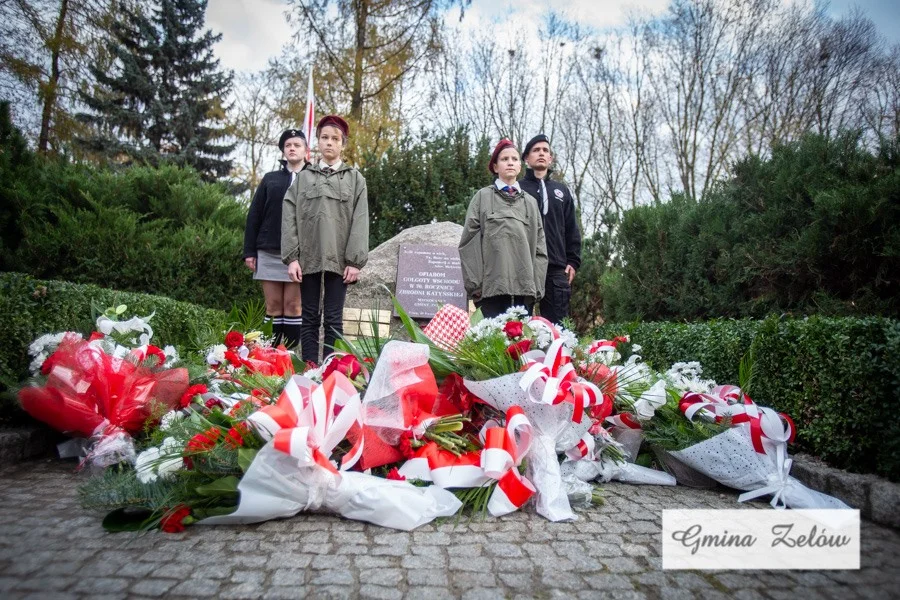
(502, 248)
(325, 235)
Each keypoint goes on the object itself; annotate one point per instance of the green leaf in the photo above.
(213, 511)
(120, 309)
(129, 519)
(226, 486)
(245, 457)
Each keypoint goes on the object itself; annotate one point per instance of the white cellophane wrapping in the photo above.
(276, 487)
(554, 432)
(606, 469)
(730, 459)
(382, 409)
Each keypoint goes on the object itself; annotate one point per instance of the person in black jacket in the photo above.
(561, 229)
(262, 241)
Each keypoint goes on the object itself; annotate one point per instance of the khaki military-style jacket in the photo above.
(502, 248)
(325, 220)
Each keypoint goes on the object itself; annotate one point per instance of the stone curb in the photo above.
(876, 498)
(18, 444)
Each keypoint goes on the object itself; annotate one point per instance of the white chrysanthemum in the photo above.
(171, 355)
(636, 348)
(151, 465)
(216, 354)
(685, 377)
(171, 449)
(646, 405)
(37, 363)
(169, 419)
(48, 342)
(145, 465)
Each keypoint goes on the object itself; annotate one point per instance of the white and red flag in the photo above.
(309, 126)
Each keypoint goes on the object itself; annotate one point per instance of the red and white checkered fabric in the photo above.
(447, 327)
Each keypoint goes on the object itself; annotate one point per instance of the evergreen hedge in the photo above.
(838, 377)
(31, 307)
(814, 228)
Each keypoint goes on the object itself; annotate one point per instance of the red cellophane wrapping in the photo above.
(87, 388)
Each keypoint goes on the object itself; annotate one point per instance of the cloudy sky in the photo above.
(253, 31)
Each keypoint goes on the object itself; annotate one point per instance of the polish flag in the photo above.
(309, 121)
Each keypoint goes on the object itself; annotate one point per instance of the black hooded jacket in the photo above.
(560, 224)
(263, 231)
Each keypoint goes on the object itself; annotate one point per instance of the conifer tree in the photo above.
(163, 98)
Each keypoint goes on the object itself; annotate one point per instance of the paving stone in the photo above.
(378, 592)
(153, 587)
(48, 547)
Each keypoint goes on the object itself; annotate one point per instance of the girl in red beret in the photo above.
(502, 248)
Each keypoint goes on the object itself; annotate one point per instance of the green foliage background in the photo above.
(814, 229)
(836, 377)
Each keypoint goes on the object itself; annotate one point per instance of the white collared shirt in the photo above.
(334, 167)
(500, 184)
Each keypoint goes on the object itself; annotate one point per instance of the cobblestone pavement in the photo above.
(51, 548)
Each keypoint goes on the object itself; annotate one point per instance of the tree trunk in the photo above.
(49, 94)
(361, 8)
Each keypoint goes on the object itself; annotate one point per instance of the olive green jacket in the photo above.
(325, 220)
(502, 248)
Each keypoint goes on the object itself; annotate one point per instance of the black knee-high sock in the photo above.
(277, 328)
(291, 329)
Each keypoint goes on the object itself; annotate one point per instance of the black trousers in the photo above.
(310, 297)
(557, 293)
(497, 305)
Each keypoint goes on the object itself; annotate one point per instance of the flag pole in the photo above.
(309, 121)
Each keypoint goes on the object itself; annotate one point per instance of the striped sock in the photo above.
(291, 329)
(277, 328)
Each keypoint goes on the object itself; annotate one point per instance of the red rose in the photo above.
(194, 390)
(395, 475)
(173, 521)
(453, 397)
(213, 402)
(519, 348)
(405, 445)
(619, 340)
(346, 364)
(234, 339)
(96, 335)
(513, 329)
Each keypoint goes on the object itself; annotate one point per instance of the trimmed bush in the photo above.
(31, 307)
(836, 377)
(812, 229)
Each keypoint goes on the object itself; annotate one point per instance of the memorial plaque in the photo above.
(428, 277)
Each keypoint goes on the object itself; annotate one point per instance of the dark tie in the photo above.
(328, 170)
(509, 190)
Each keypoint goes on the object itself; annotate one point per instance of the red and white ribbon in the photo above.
(626, 420)
(504, 449)
(304, 422)
(583, 449)
(554, 381)
(768, 428)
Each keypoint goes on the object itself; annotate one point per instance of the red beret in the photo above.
(334, 121)
(495, 155)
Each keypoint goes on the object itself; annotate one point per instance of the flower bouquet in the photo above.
(101, 391)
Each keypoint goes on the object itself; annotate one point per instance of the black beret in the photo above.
(288, 134)
(538, 138)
